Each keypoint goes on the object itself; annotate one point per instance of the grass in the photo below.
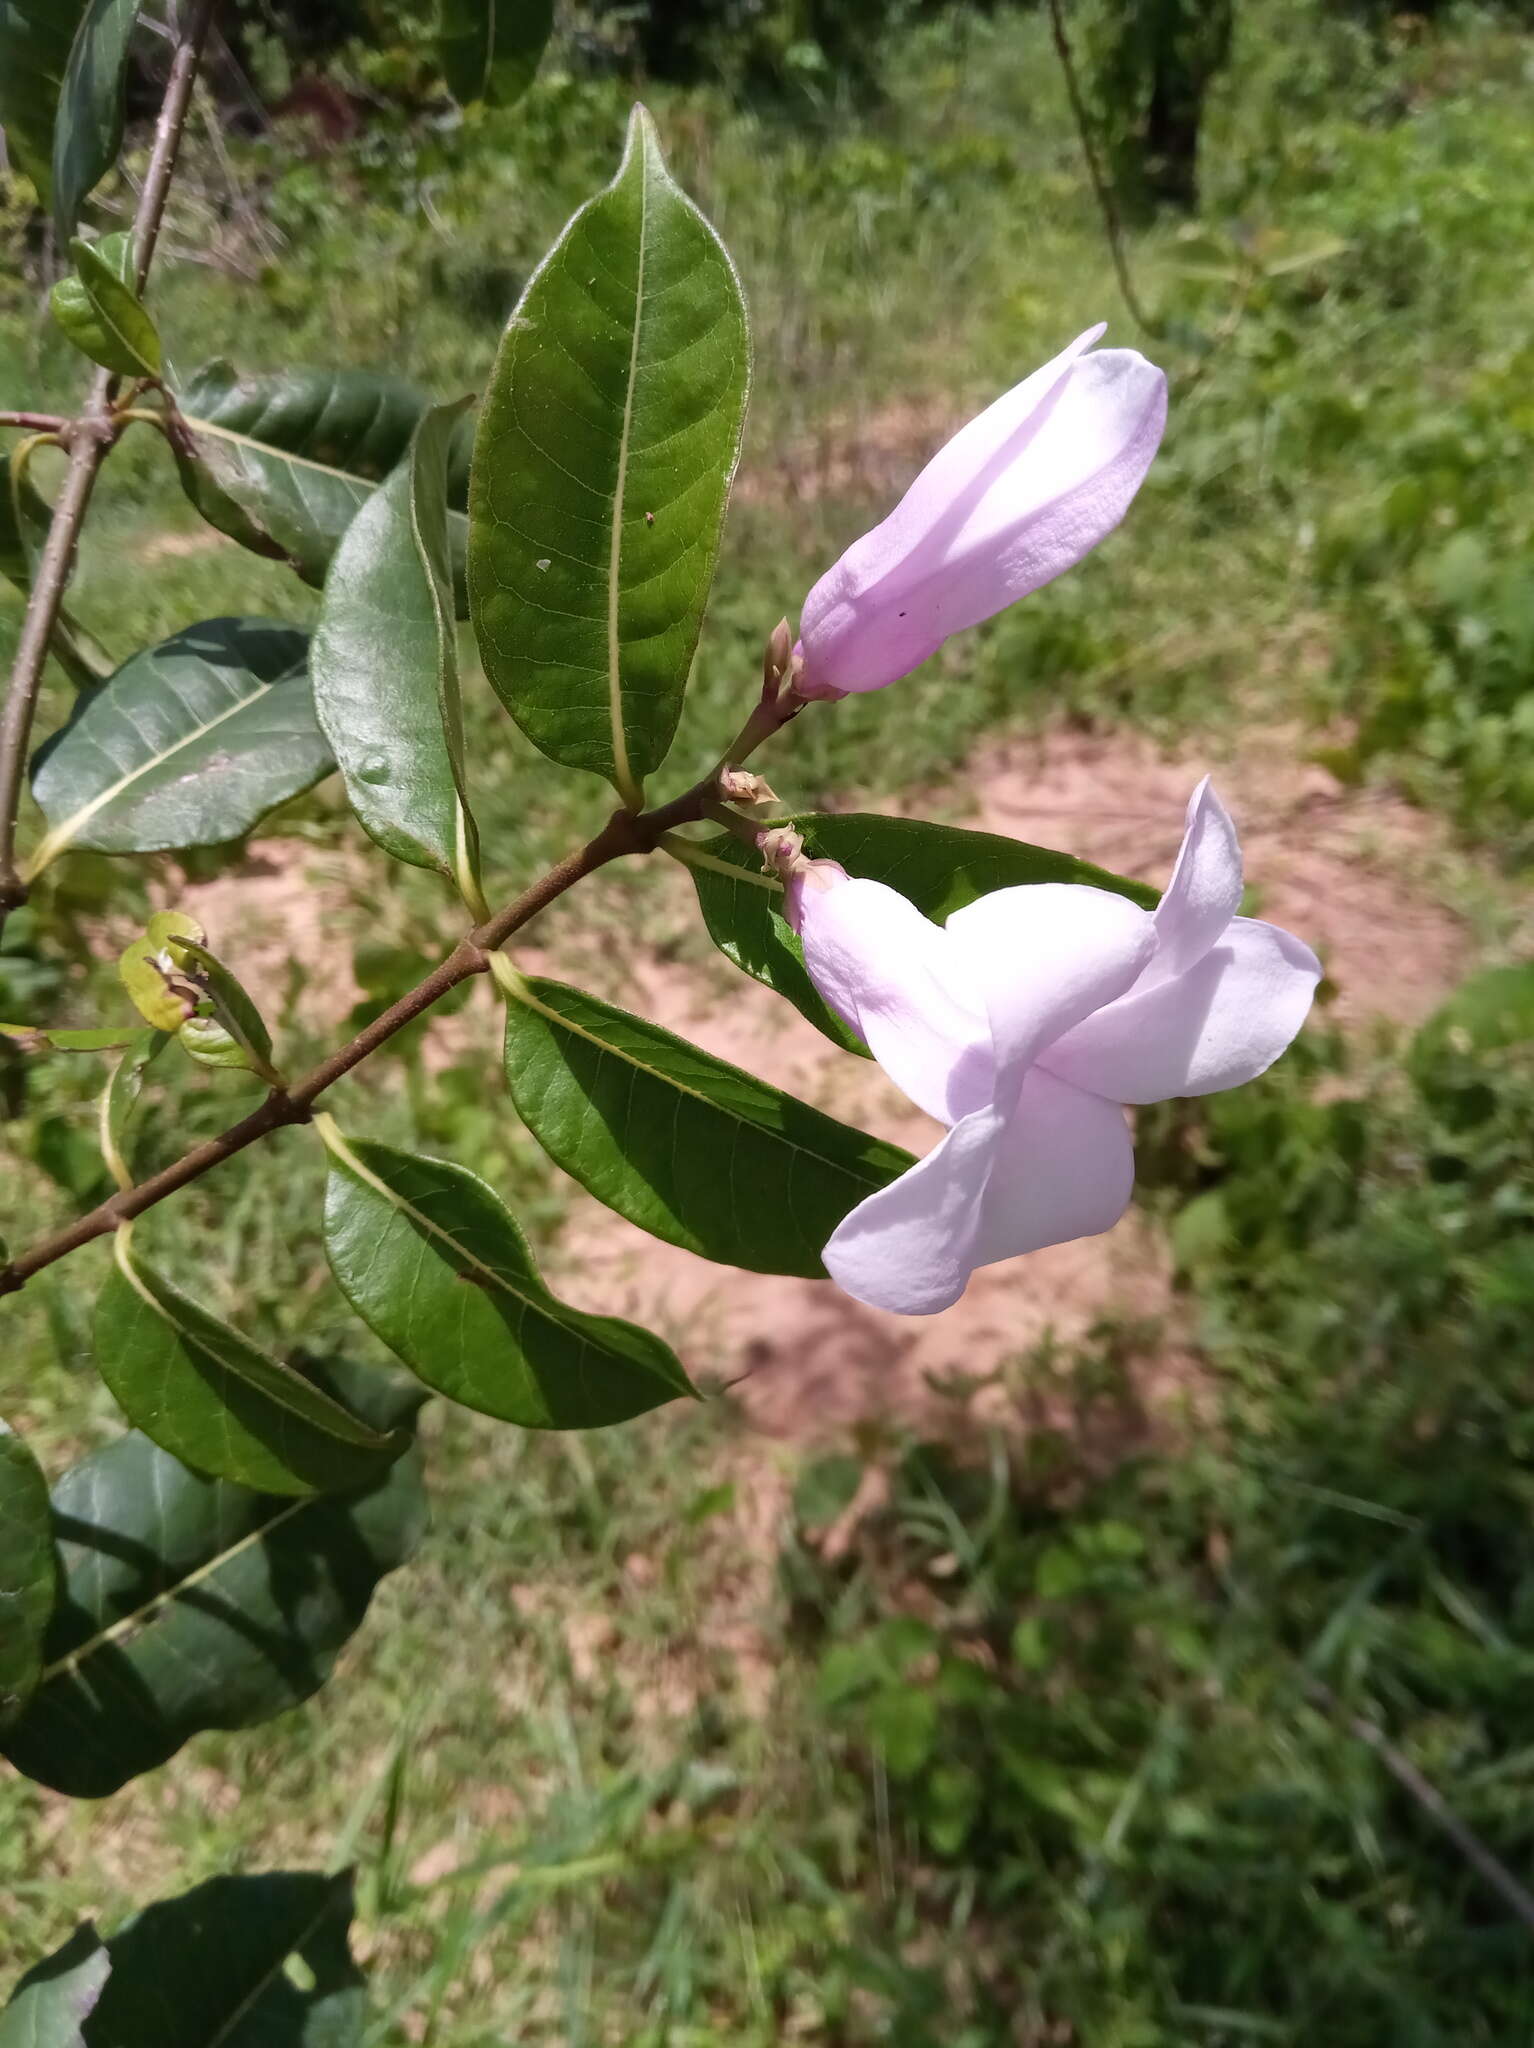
(630, 1753)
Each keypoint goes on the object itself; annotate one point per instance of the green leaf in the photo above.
(214, 1968)
(28, 1572)
(602, 465)
(939, 868)
(190, 743)
(284, 463)
(88, 129)
(35, 41)
(432, 1261)
(24, 521)
(385, 664)
(120, 1098)
(210, 1398)
(233, 1014)
(189, 1603)
(688, 1148)
(490, 49)
(53, 2001)
(34, 1038)
(103, 316)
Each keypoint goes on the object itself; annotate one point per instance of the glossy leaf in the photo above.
(28, 1572)
(385, 663)
(35, 41)
(88, 129)
(490, 49)
(688, 1148)
(284, 463)
(191, 743)
(229, 1009)
(103, 315)
(188, 1603)
(602, 465)
(939, 867)
(211, 1398)
(432, 1261)
(50, 2006)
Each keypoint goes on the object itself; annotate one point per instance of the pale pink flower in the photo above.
(1016, 497)
(1024, 1023)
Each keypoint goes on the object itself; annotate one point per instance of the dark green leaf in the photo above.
(602, 466)
(385, 664)
(431, 1260)
(939, 867)
(688, 1148)
(283, 463)
(213, 1969)
(189, 1603)
(191, 743)
(54, 1999)
(490, 49)
(28, 1572)
(213, 1400)
(35, 41)
(103, 316)
(88, 129)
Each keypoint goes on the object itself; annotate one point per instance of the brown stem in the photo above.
(1102, 188)
(34, 422)
(624, 833)
(89, 438)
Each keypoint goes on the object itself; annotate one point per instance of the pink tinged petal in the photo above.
(885, 970)
(911, 1247)
(1044, 956)
(1204, 893)
(1017, 497)
(1065, 1168)
(1224, 1021)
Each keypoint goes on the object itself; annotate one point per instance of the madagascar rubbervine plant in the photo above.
(572, 512)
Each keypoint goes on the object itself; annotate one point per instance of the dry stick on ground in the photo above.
(1106, 203)
(89, 438)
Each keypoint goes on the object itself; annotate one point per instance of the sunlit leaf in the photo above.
(385, 663)
(188, 1603)
(688, 1148)
(432, 1261)
(28, 1573)
(191, 743)
(490, 49)
(938, 867)
(88, 129)
(211, 1398)
(100, 311)
(602, 465)
(92, 1038)
(51, 2004)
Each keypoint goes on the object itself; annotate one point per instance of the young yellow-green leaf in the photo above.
(28, 1572)
(385, 664)
(103, 316)
(939, 868)
(188, 1603)
(53, 2001)
(602, 466)
(191, 743)
(35, 41)
(490, 49)
(120, 1097)
(231, 1009)
(432, 1261)
(210, 1398)
(88, 129)
(283, 463)
(98, 1038)
(688, 1148)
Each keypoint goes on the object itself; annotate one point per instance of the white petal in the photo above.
(1223, 1022)
(1204, 893)
(1065, 1168)
(910, 1248)
(886, 970)
(1044, 956)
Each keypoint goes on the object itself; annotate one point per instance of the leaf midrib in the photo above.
(270, 448)
(622, 773)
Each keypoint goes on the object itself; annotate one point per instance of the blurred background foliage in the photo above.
(678, 1737)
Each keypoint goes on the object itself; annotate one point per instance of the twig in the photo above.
(34, 422)
(1102, 187)
(624, 833)
(89, 438)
